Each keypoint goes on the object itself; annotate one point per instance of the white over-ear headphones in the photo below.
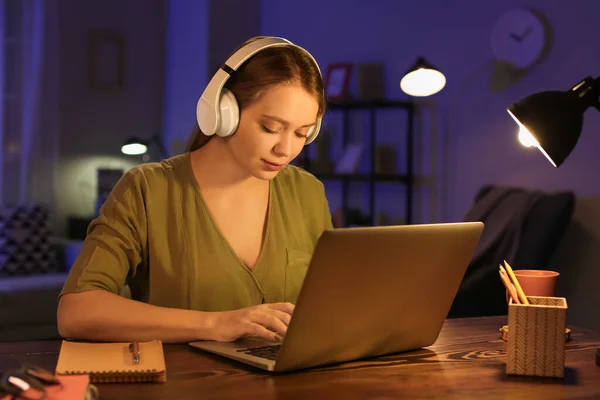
(217, 111)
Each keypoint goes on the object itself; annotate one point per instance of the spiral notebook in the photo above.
(113, 362)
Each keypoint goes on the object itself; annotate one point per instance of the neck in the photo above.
(215, 168)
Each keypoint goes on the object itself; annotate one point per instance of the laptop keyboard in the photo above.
(268, 352)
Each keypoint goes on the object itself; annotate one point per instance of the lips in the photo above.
(272, 166)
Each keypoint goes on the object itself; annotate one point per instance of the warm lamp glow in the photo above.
(526, 138)
(422, 80)
(133, 149)
(135, 146)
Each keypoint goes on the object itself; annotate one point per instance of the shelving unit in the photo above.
(407, 179)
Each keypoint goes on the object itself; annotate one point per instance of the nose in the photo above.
(283, 147)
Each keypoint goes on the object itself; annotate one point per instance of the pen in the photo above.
(515, 282)
(135, 349)
(509, 286)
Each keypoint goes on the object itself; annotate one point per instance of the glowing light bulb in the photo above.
(423, 82)
(526, 138)
(134, 149)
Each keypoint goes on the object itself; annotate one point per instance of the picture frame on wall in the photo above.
(105, 60)
(337, 81)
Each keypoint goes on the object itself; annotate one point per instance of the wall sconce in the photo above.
(552, 120)
(136, 146)
(422, 80)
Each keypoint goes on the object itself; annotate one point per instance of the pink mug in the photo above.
(536, 282)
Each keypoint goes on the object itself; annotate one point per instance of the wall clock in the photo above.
(520, 37)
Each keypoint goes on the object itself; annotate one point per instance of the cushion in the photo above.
(25, 247)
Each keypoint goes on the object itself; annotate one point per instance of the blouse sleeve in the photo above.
(115, 244)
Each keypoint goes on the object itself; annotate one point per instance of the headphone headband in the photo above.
(208, 109)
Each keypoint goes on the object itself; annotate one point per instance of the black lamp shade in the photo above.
(421, 63)
(134, 140)
(555, 118)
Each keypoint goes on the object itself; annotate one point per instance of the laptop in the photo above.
(368, 291)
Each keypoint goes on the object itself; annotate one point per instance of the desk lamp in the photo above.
(422, 79)
(552, 121)
(136, 146)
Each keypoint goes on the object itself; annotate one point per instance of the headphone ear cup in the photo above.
(229, 115)
(314, 131)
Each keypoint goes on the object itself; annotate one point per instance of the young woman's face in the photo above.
(272, 130)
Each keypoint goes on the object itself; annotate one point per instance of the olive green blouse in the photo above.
(155, 234)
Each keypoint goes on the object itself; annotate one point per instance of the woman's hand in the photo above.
(269, 321)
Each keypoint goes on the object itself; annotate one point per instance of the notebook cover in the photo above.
(112, 362)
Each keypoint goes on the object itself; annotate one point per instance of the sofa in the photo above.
(28, 303)
(28, 307)
(33, 269)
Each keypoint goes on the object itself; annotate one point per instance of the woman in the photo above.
(214, 243)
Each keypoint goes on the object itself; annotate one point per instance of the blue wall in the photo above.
(186, 66)
(476, 140)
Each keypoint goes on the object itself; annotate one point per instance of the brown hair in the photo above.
(269, 67)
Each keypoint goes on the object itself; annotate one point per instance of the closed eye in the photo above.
(271, 131)
(268, 130)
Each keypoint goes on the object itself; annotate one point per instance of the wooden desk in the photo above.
(467, 361)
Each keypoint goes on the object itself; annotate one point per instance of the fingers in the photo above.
(287, 308)
(264, 333)
(270, 321)
(283, 316)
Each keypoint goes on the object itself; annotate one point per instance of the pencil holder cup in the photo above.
(536, 337)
